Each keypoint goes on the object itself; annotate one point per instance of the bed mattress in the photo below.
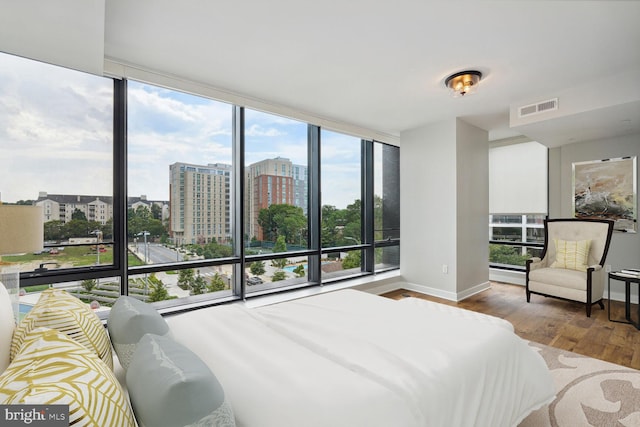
(349, 358)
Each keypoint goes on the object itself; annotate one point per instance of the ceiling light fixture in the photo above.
(464, 82)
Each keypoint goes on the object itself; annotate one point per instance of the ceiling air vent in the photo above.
(539, 107)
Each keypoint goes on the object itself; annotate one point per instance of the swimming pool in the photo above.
(25, 308)
(290, 268)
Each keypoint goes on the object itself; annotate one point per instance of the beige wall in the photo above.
(444, 208)
(625, 247)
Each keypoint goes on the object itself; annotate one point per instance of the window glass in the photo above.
(56, 151)
(99, 294)
(210, 282)
(264, 275)
(341, 171)
(519, 229)
(386, 204)
(276, 187)
(179, 174)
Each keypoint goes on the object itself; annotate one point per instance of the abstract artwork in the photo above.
(606, 189)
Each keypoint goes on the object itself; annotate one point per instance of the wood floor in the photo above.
(557, 323)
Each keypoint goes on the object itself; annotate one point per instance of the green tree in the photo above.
(213, 250)
(352, 260)
(282, 220)
(186, 278)
(158, 291)
(76, 228)
(78, 214)
(278, 275)
(156, 211)
(199, 285)
(332, 222)
(280, 246)
(53, 230)
(88, 284)
(217, 284)
(257, 268)
(510, 255)
(141, 219)
(299, 271)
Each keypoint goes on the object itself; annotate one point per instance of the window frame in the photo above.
(240, 260)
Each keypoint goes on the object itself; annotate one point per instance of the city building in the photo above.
(60, 207)
(267, 182)
(199, 203)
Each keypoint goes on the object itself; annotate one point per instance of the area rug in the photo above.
(590, 392)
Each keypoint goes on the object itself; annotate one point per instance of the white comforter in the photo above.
(348, 358)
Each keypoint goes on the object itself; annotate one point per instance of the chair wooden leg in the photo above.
(528, 296)
(601, 304)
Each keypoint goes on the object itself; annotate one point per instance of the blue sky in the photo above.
(56, 132)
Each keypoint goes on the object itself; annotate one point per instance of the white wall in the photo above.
(624, 251)
(472, 209)
(444, 208)
(69, 33)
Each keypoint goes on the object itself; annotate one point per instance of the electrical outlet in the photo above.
(607, 268)
(445, 268)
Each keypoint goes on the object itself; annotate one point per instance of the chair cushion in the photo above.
(571, 254)
(57, 309)
(565, 278)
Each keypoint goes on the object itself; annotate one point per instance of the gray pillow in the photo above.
(170, 386)
(129, 319)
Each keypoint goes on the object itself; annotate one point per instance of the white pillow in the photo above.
(57, 309)
(7, 325)
(51, 367)
(169, 386)
(129, 320)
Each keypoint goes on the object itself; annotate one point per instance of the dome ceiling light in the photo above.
(464, 82)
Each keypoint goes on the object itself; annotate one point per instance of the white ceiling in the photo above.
(381, 65)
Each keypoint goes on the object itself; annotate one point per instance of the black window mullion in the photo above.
(314, 208)
(120, 182)
(239, 282)
(367, 221)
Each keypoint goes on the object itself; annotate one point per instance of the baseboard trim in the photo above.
(439, 293)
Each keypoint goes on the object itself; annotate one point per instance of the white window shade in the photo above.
(518, 179)
(69, 33)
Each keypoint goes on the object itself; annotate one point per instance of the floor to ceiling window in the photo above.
(180, 176)
(341, 226)
(56, 154)
(275, 201)
(177, 199)
(386, 200)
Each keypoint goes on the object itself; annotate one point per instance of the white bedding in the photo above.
(348, 358)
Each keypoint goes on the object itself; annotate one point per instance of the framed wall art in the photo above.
(606, 189)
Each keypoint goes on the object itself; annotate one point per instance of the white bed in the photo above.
(349, 358)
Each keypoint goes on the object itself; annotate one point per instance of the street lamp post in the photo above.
(98, 234)
(146, 257)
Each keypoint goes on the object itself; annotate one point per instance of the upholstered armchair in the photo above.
(571, 266)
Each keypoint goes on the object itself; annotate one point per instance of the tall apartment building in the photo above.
(300, 187)
(267, 182)
(199, 202)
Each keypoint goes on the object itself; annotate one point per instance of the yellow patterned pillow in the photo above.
(52, 368)
(56, 309)
(571, 254)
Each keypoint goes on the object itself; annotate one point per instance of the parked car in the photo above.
(254, 281)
